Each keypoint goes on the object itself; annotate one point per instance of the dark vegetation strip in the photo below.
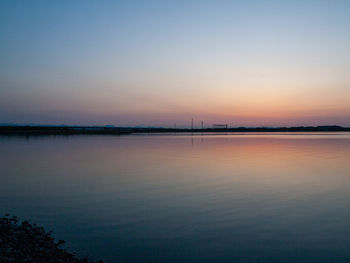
(98, 130)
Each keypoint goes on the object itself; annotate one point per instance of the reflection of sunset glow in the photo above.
(230, 189)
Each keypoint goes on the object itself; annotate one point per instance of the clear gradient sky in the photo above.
(158, 63)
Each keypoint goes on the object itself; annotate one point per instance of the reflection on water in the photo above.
(183, 198)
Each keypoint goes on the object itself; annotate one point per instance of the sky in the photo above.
(157, 63)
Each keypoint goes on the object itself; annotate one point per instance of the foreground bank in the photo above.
(25, 242)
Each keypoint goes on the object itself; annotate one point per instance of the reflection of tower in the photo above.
(192, 124)
(202, 124)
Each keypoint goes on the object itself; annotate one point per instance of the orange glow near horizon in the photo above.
(249, 64)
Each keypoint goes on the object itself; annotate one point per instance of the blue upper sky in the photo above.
(164, 62)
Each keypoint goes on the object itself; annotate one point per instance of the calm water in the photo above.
(182, 198)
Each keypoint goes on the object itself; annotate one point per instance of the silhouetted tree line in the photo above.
(100, 130)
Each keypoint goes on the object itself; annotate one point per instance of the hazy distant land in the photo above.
(111, 130)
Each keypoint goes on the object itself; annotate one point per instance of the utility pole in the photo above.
(192, 124)
(202, 124)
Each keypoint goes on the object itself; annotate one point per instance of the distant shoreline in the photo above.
(107, 130)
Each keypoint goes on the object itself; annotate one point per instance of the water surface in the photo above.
(182, 198)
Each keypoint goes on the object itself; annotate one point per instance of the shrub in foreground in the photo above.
(23, 242)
